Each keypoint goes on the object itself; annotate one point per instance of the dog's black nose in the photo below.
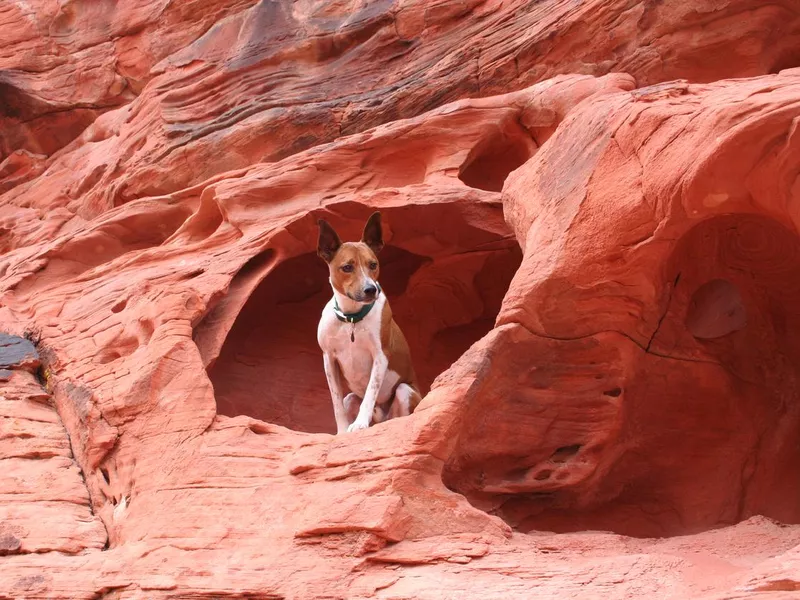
(370, 290)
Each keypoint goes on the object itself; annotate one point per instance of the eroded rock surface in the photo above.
(595, 267)
(44, 504)
(684, 395)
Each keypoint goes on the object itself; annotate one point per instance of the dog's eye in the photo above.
(373, 266)
(347, 268)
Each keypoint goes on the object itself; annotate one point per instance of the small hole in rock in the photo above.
(193, 273)
(564, 453)
(104, 472)
(108, 356)
(614, 392)
(119, 306)
(542, 475)
(259, 428)
(493, 159)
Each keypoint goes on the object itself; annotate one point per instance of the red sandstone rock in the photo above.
(274, 78)
(65, 63)
(650, 402)
(44, 504)
(164, 259)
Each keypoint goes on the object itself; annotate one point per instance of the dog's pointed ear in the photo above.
(328, 242)
(373, 234)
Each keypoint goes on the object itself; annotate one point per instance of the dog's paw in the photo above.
(357, 426)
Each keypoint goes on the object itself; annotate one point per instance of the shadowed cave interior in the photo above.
(701, 430)
(445, 270)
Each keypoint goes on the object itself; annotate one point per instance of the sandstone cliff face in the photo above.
(596, 267)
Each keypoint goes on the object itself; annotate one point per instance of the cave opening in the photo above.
(700, 430)
(445, 271)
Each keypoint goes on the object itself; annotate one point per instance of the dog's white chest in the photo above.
(355, 358)
(354, 346)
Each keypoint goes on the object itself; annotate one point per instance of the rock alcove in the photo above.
(445, 270)
(626, 443)
(492, 159)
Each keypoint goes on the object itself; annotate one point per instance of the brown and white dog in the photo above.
(364, 349)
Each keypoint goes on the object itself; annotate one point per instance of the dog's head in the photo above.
(353, 266)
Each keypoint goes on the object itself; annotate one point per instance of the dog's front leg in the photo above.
(334, 377)
(379, 366)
